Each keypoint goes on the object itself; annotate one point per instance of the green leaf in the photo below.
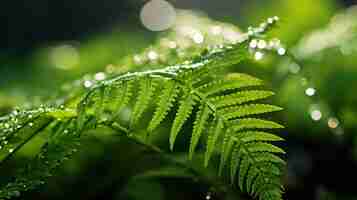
(227, 147)
(253, 123)
(263, 147)
(146, 91)
(199, 125)
(215, 131)
(243, 170)
(252, 136)
(183, 113)
(121, 95)
(165, 103)
(232, 81)
(246, 110)
(240, 97)
(23, 135)
(235, 159)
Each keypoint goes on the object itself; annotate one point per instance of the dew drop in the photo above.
(316, 115)
(198, 38)
(208, 196)
(99, 76)
(263, 25)
(15, 112)
(7, 125)
(262, 44)
(310, 91)
(281, 51)
(30, 124)
(333, 122)
(152, 55)
(11, 150)
(88, 83)
(253, 44)
(258, 55)
(259, 30)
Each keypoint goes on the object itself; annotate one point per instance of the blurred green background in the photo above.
(45, 46)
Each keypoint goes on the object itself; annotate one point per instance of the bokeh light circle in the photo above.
(64, 56)
(158, 15)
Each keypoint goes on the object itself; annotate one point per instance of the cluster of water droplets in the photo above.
(89, 81)
(258, 46)
(187, 40)
(191, 35)
(17, 119)
(337, 35)
(318, 110)
(10, 126)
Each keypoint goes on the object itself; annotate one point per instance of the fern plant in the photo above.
(225, 108)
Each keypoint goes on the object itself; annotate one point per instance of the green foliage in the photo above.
(221, 105)
(164, 104)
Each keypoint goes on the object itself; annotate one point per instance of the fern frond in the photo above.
(252, 136)
(228, 103)
(164, 104)
(240, 97)
(17, 140)
(227, 147)
(146, 91)
(61, 143)
(183, 113)
(235, 159)
(263, 147)
(117, 96)
(213, 134)
(221, 107)
(126, 92)
(246, 110)
(231, 82)
(199, 125)
(253, 123)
